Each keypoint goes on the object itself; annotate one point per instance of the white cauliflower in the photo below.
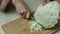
(46, 16)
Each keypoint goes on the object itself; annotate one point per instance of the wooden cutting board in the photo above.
(21, 26)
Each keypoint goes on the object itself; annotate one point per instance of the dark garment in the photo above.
(51, 0)
(0, 2)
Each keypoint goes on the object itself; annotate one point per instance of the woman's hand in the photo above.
(58, 1)
(45, 2)
(22, 8)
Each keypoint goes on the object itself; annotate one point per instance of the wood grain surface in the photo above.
(21, 26)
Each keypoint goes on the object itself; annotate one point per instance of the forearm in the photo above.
(4, 2)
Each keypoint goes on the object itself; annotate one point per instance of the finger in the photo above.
(27, 15)
(24, 15)
(19, 11)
